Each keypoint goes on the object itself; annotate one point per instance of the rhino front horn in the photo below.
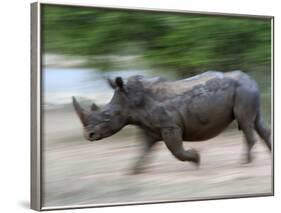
(80, 111)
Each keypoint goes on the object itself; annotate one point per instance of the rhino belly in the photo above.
(207, 124)
(207, 132)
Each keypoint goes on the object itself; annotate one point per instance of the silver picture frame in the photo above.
(36, 104)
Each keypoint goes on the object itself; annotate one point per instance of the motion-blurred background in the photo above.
(83, 45)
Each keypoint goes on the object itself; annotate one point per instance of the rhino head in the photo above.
(99, 123)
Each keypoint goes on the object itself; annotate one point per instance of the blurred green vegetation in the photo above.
(166, 40)
(184, 44)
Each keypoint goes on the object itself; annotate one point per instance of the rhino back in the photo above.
(164, 90)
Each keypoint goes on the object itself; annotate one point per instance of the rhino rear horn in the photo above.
(80, 111)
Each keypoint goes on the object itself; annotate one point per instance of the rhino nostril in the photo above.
(91, 135)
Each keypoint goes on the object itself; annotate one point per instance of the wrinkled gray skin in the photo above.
(192, 109)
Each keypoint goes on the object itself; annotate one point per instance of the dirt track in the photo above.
(80, 172)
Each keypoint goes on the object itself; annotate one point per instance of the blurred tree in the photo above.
(184, 42)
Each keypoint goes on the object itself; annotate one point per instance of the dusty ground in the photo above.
(78, 172)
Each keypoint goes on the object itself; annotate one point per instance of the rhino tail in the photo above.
(263, 131)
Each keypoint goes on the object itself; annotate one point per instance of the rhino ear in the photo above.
(120, 83)
(94, 107)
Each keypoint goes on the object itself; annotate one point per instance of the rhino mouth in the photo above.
(93, 137)
(98, 139)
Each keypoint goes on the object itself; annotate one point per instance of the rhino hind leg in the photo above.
(246, 107)
(250, 140)
(249, 134)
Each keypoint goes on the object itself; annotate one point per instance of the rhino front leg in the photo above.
(149, 142)
(173, 140)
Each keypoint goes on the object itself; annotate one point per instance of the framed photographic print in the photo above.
(137, 106)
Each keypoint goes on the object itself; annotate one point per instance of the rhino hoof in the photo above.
(195, 157)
